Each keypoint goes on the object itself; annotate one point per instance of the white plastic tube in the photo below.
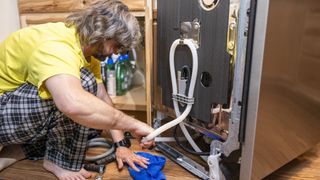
(193, 81)
(181, 117)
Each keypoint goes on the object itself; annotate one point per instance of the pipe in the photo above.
(180, 117)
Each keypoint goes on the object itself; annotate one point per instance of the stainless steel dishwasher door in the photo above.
(283, 119)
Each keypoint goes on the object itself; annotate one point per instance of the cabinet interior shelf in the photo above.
(134, 99)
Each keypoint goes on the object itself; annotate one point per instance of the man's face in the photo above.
(106, 49)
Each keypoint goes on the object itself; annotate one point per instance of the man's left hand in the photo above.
(126, 155)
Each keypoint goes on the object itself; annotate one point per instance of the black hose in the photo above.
(107, 159)
(185, 148)
(104, 157)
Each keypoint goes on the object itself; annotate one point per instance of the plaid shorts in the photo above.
(41, 129)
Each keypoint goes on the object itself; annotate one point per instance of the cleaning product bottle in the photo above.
(103, 73)
(129, 70)
(111, 78)
(120, 76)
(115, 57)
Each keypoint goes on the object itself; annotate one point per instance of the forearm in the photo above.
(85, 108)
(103, 95)
(103, 116)
(95, 113)
(117, 135)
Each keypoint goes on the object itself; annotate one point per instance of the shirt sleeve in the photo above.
(49, 59)
(96, 69)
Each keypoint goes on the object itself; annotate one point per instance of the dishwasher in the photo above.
(236, 91)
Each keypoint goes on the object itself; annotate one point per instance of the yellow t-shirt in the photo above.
(38, 52)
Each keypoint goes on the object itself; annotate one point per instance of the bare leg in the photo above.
(63, 174)
(9, 155)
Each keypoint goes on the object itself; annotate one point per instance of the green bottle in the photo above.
(120, 76)
(129, 71)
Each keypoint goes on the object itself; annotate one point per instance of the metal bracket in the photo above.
(232, 30)
(190, 30)
(183, 161)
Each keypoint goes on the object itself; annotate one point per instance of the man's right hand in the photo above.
(141, 131)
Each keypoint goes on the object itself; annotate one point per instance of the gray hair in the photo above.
(106, 19)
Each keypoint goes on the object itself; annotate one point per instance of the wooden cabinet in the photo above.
(53, 6)
(41, 11)
(34, 12)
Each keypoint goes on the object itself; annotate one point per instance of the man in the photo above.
(51, 91)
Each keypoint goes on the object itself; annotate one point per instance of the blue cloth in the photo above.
(153, 172)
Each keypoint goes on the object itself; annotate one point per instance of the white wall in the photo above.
(9, 18)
